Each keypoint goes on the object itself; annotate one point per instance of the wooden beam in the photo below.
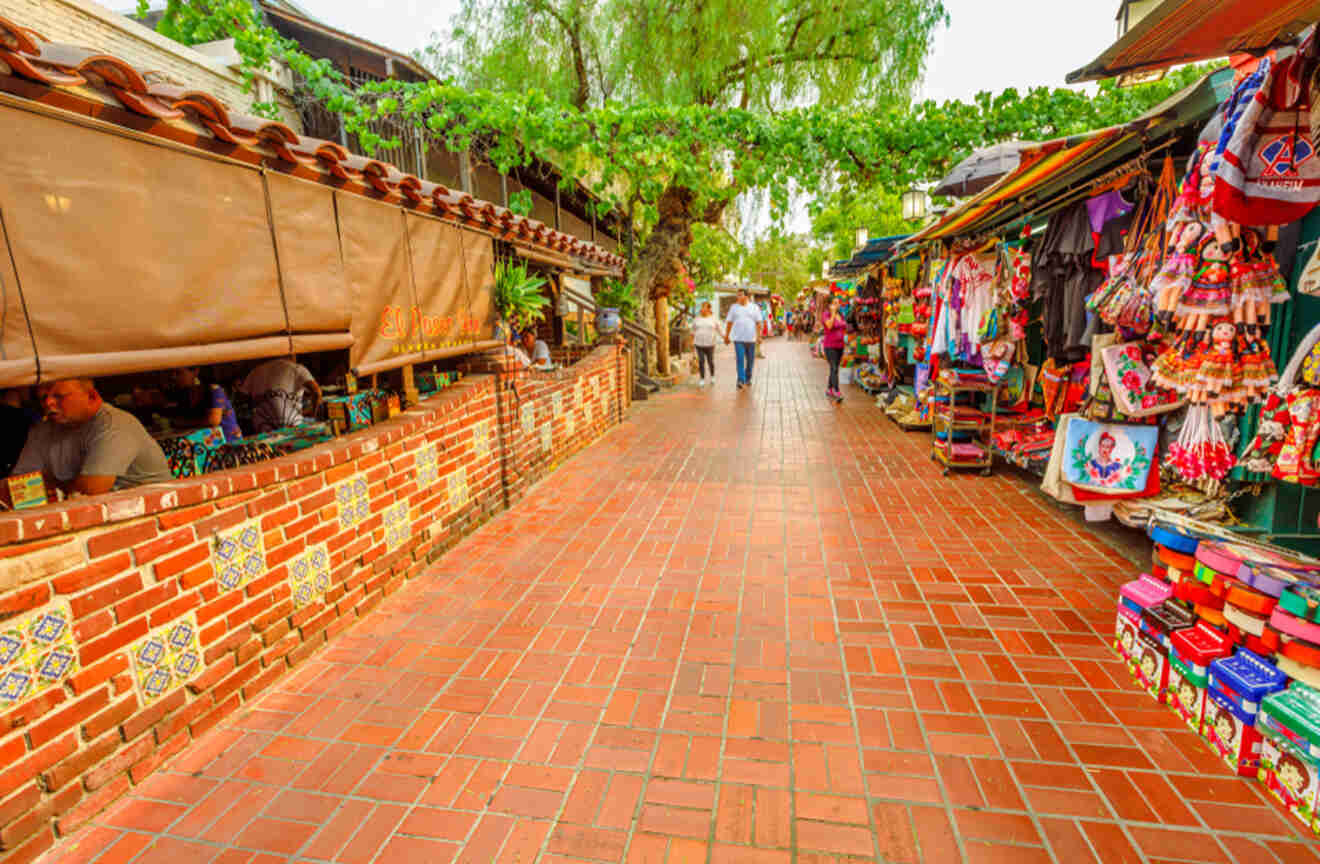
(556, 206)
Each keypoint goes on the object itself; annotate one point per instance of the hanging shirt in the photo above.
(1104, 207)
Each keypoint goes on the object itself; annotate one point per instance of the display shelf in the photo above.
(983, 430)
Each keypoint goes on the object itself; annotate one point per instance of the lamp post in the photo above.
(916, 204)
(862, 236)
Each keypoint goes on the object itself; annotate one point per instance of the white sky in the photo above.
(990, 44)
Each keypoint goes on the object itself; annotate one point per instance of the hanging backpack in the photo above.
(1269, 173)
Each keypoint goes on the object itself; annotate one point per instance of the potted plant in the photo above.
(518, 298)
(616, 300)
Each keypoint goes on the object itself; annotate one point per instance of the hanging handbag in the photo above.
(1130, 382)
(1052, 484)
(1108, 457)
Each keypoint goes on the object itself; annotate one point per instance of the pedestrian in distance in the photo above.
(835, 329)
(741, 328)
(705, 333)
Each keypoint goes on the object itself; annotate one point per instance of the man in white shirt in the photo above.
(276, 388)
(741, 327)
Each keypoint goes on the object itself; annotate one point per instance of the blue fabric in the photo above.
(228, 419)
(746, 352)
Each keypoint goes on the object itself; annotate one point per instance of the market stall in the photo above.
(1161, 282)
(181, 260)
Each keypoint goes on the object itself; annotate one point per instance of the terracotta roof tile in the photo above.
(77, 76)
(16, 38)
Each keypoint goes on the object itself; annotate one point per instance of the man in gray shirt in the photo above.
(87, 447)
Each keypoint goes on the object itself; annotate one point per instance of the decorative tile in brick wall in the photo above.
(528, 418)
(557, 405)
(238, 555)
(166, 658)
(547, 438)
(309, 575)
(577, 392)
(428, 466)
(481, 439)
(354, 506)
(570, 425)
(398, 527)
(458, 489)
(37, 652)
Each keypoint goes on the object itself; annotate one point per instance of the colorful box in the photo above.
(1150, 664)
(26, 490)
(1291, 778)
(349, 413)
(1191, 651)
(1236, 687)
(1126, 627)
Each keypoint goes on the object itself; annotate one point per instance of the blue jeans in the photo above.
(746, 352)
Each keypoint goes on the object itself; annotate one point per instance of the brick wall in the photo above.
(143, 618)
(91, 25)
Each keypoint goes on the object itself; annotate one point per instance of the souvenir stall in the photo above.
(1215, 319)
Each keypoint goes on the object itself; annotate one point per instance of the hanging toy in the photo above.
(1201, 456)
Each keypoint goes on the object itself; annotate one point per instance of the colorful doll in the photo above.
(1210, 292)
(1218, 374)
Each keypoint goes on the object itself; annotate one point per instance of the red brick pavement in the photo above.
(749, 627)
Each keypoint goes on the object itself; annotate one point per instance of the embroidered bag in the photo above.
(1108, 457)
(1129, 381)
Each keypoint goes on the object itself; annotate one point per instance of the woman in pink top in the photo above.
(835, 328)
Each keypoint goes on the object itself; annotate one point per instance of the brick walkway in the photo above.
(741, 628)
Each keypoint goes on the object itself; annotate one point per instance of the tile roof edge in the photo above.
(200, 121)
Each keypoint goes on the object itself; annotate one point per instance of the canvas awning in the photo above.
(1054, 167)
(1187, 31)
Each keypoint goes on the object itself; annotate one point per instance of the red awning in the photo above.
(1188, 31)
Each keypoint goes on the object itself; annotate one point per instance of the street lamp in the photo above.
(916, 204)
(862, 236)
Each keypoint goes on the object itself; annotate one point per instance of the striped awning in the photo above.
(1187, 31)
(1049, 171)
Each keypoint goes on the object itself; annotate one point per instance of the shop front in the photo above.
(157, 248)
(1132, 315)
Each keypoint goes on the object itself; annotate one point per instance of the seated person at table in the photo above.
(207, 402)
(531, 351)
(276, 388)
(87, 447)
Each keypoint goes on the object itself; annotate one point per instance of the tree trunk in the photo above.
(655, 270)
(662, 330)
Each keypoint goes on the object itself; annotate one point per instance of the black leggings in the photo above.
(834, 355)
(706, 359)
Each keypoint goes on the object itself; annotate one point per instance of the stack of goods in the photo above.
(1026, 443)
(1227, 634)
(870, 377)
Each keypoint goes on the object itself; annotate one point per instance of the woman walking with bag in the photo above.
(705, 333)
(835, 328)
